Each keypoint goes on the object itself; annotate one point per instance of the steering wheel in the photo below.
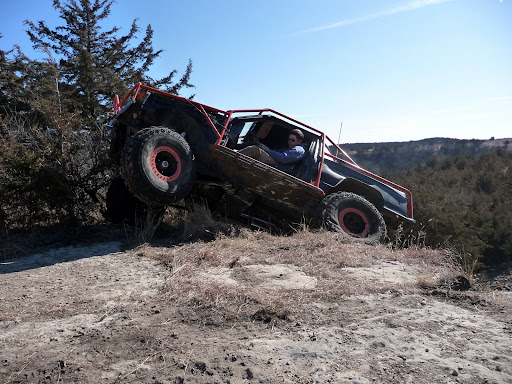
(251, 138)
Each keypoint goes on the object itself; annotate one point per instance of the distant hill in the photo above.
(395, 156)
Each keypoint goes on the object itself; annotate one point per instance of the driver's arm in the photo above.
(288, 156)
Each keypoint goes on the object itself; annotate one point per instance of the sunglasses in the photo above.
(292, 139)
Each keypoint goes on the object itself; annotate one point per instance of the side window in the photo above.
(234, 131)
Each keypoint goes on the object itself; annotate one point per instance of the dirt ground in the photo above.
(94, 314)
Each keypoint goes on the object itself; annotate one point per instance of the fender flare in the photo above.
(371, 194)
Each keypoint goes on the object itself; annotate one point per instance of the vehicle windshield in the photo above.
(244, 129)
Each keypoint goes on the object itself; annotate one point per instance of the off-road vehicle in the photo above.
(170, 148)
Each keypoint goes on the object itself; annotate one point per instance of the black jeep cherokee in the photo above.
(170, 148)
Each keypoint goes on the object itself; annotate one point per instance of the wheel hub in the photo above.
(166, 163)
(354, 222)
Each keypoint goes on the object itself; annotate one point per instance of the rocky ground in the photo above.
(96, 314)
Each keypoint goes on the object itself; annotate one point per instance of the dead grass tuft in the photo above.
(199, 224)
(146, 226)
(438, 267)
(195, 269)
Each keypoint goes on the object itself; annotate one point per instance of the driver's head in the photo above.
(295, 138)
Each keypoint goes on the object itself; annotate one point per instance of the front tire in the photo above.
(158, 167)
(354, 215)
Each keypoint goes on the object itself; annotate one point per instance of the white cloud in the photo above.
(501, 98)
(388, 12)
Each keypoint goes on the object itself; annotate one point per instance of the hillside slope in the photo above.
(398, 156)
(309, 308)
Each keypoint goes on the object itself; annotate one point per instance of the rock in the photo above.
(461, 283)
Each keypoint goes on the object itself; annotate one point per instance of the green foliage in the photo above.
(48, 177)
(54, 164)
(464, 203)
(13, 96)
(96, 64)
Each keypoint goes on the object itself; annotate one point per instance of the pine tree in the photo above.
(96, 64)
(4, 78)
(12, 94)
(53, 158)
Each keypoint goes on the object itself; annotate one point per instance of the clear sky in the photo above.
(389, 70)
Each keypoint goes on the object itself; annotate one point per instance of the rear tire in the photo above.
(354, 215)
(158, 167)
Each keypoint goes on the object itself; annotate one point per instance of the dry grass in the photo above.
(322, 255)
(146, 225)
(438, 267)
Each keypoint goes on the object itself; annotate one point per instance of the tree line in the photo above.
(54, 164)
(463, 203)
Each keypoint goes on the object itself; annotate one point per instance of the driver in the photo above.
(292, 154)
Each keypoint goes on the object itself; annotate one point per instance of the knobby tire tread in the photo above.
(133, 173)
(329, 210)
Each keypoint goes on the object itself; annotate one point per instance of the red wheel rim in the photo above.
(166, 163)
(354, 222)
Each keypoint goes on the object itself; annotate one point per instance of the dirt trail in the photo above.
(97, 315)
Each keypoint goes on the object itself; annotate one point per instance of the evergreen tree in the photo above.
(53, 159)
(96, 64)
(12, 95)
(4, 78)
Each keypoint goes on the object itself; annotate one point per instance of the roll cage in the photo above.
(225, 131)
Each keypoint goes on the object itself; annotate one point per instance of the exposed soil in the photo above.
(97, 315)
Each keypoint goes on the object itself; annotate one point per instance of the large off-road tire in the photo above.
(158, 166)
(354, 215)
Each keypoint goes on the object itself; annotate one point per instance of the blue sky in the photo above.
(394, 70)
